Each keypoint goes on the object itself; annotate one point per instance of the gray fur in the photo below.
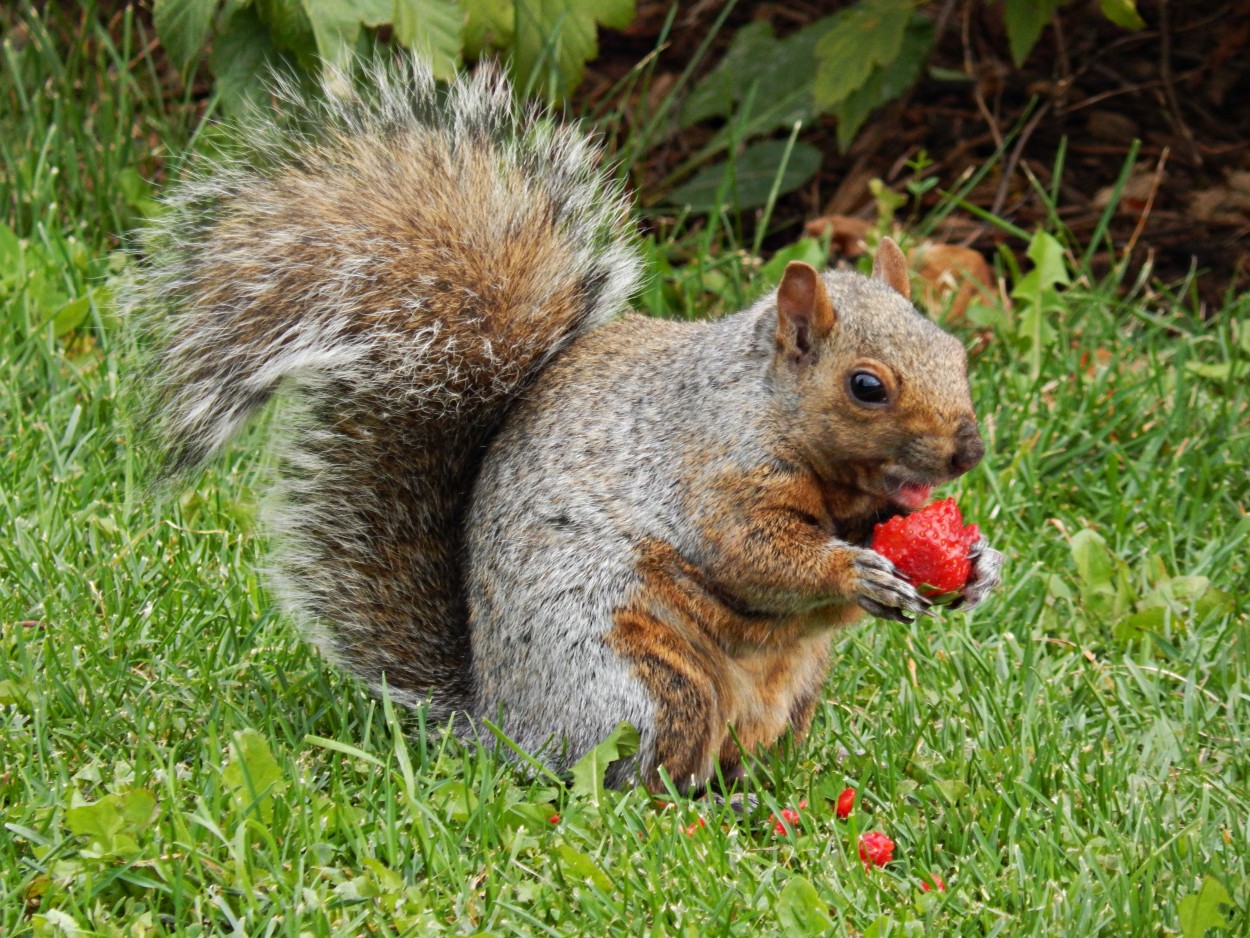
(341, 259)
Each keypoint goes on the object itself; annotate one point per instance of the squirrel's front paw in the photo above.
(881, 590)
(987, 565)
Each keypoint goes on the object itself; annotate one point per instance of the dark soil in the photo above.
(1181, 87)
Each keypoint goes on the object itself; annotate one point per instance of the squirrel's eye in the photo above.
(867, 388)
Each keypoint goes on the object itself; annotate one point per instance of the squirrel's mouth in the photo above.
(908, 492)
(913, 495)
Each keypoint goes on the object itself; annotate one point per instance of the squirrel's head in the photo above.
(878, 393)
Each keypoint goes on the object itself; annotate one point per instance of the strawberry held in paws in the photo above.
(931, 548)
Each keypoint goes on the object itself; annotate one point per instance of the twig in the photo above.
(1150, 201)
(1169, 88)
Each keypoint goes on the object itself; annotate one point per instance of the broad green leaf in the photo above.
(773, 77)
(1122, 13)
(70, 316)
(113, 824)
(288, 27)
(10, 253)
(589, 770)
(336, 24)
(1025, 20)
(54, 923)
(1048, 257)
(183, 27)
(431, 28)
(13, 694)
(1201, 911)
(886, 81)
(1218, 371)
(808, 250)
(1103, 576)
(952, 789)
(1133, 626)
(489, 24)
(241, 59)
(137, 192)
(579, 867)
(252, 773)
(456, 801)
(557, 38)
(747, 180)
(865, 36)
(801, 911)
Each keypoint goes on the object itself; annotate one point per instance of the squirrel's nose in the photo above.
(968, 447)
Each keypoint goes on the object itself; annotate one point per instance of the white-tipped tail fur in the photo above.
(395, 262)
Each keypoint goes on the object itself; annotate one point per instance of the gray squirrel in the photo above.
(498, 494)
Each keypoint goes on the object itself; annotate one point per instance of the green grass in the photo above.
(1071, 759)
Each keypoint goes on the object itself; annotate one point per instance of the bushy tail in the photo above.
(396, 263)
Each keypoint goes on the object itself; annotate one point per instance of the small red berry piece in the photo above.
(788, 821)
(929, 547)
(875, 849)
(846, 802)
(937, 881)
(694, 828)
(554, 819)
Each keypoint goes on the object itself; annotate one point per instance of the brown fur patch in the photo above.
(709, 665)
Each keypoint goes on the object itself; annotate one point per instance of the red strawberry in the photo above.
(846, 801)
(929, 547)
(875, 849)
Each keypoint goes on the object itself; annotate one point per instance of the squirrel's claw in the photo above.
(882, 591)
(987, 564)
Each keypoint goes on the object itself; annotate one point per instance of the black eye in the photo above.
(867, 388)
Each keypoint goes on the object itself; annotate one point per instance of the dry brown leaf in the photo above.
(946, 269)
(846, 233)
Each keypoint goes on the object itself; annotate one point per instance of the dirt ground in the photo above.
(1181, 87)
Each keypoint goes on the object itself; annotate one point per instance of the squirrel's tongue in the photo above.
(912, 495)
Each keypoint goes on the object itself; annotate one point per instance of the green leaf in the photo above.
(886, 81)
(952, 789)
(770, 77)
(137, 192)
(289, 28)
(253, 774)
(431, 28)
(579, 867)
(1103, 577)
(1049, 259)
(13, 694)
(488, 24)
(556, 38)
(808, 250)
(10, 253)
(1025, 20)
(1122, 13)
(183, 27)
(1134, 626)
(113, 824)
(336, 24)
(70, 316)
(866, 35)
(589, 770)
(1220, 371)
(747, 180)
(241, 59)
(801, 911)
(1201, 911)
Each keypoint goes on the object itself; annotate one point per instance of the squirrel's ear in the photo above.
(804, 313)
(890, 267)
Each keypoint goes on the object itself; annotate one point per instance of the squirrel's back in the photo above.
(395, 263)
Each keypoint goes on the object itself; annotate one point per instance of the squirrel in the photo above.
(496, 493)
